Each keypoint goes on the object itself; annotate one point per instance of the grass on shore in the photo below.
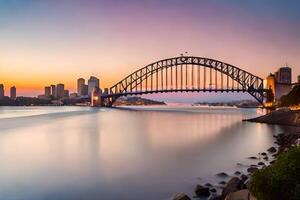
(280, 181)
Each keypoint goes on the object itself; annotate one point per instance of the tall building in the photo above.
(92, 83)
(47, 91)
(60, 90)
(53, 90)
(84, 90)
(299, 79)
(13, 92)
(1, 91)
(80, 83)
(284, 75)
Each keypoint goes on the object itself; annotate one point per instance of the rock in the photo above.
(261, 163)
(208, 185)
(181, 196)
(201, 191)
(222, 174)
(240, 195)
(253, 157)
(237, 173)
(222, 182)
(263, 153)
(213, 190)
(272, 150)
(233, 185)
(266, 158)
(252, 169)
(244, 177)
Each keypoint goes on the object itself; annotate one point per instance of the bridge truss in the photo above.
(186, 74)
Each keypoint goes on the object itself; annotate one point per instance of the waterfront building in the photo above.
(271, 83)
(84, 90)
(95, 97)
(80, 83)
(66, 94)
(60, 90)
(92, 83)
(47, 91)
(13, 92)
(284, 75)
(53, 90)
(1, 91)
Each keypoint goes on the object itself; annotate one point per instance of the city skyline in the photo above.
(45, 42)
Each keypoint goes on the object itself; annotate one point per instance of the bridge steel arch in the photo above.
(186, 74)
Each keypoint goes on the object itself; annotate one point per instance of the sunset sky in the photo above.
(52, 41)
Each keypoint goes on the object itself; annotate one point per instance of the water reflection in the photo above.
(83, 153)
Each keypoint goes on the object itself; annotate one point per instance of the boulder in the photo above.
(201, 191)
(237, 173)
(233, 185)
(181, 196)
(252, 169)
(222, 182)
(261, 163)
(263, 153)
(244, 177)
(222, 174)
(208, 185)
(213, 190)
(272, 150)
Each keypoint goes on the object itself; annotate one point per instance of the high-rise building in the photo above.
(80, 83)
(299, 79)
(47, 91)
(284, 75)
(66, 93)
(1, 91)
(53, 90)
(60, 90)
(13, 92)
(84, 90)
(92, 83)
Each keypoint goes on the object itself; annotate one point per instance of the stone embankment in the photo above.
(237, 188)
(281, 117)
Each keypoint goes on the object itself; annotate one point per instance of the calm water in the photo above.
(142, 153)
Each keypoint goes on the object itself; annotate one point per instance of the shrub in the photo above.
(280, 181)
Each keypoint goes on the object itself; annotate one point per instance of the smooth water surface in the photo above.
(72, 153)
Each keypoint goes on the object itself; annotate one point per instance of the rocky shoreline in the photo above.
(284, 116)
(236, 186)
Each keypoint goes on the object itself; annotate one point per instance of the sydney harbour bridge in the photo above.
(184, 74)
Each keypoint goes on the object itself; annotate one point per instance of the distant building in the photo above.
(80, 83)
(284, 75)
(47, 91)
(1, 91)
(105, 91)
(13, 92)
(53, 90)
(60, 90)
(66, 94)
(299, 79)
(84, 90)
(92, 83)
